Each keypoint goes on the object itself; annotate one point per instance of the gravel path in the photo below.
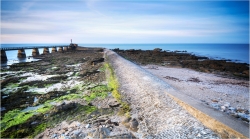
(159, 116)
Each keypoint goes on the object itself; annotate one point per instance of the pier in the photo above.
(35, 50)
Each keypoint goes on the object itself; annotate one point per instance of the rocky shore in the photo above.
(64, 95)
(94, 93)
(220, 84)
(182, 59)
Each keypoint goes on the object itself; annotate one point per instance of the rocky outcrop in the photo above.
(99, 128)
(186, 60)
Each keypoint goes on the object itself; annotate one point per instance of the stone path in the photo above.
(159, 116)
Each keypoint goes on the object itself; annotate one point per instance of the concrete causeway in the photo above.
(163, 112)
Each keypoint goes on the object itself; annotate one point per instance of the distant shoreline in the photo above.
(238, 53)
(186, 60)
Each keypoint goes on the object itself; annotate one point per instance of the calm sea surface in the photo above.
(234, 52)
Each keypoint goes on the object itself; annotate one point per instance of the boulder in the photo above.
(113, 103)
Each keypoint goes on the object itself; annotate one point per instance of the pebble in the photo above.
(54, 135)
(67, 133)
(231, 108)
(244, 116)
(223, 108)
(215, 105)
(227, 104)
(82, 135)
(70, 129)
(199, 135)
(78, 124)
(76, 132)
(203, 132)
(134, 124)
(87, 126)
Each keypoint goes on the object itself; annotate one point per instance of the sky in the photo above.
(124, 21)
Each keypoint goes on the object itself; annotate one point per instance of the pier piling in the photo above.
(45, 50)
(35, 52)
(3, 56)
(21, 53)
(65, 48)
(60, 49)
(54, 50)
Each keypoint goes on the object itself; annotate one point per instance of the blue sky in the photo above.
(124, 21)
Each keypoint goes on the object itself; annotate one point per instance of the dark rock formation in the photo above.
(186, 60)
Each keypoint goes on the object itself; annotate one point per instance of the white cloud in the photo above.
(24, 26)
(95, 22)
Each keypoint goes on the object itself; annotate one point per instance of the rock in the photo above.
(113, 103)
(199, 135)
(231, 108)
(67, 133)
(126, 121)
(124, 136)
(240, 110)
(223, 108)
(227, 104)
(203, 132)
(62, 136)
(215, 105)
(75, 124)
(105, 131)
(94, 62)
(235, 115)
(247, 112)
(33, 123)
(244, 117)
(157, 50)
(70, 129)
(108, 121)
(63, 103)
(82, 135)
(76, 132)
(214, 100)
(87, 126)
(68, 106)
(97, 133)
(54, 135)
(134, 124)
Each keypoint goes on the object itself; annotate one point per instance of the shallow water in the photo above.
(32, 108)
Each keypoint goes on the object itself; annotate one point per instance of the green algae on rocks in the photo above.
(114, 85)
(37, 106)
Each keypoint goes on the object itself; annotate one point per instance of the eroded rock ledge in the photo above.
(186, 60)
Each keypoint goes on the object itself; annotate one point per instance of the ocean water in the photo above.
(234, 52)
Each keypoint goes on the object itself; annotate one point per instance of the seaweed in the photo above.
(114, 85)
(14, 117)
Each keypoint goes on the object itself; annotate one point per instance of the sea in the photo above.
(231, 52)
